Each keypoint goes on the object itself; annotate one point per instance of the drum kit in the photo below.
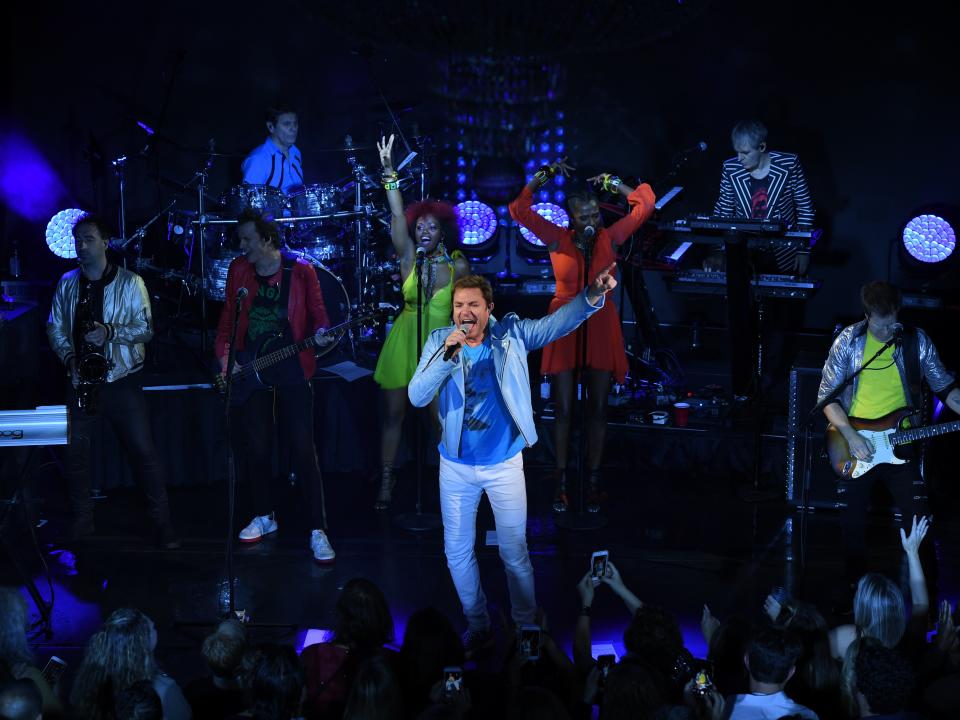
(336, 227)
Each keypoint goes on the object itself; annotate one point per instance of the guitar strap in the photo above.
(285, 281)
(911, 367)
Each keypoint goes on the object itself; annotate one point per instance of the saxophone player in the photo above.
(99, 323)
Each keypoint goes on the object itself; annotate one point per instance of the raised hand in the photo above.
(561, 168)
(708, 624)
(772, 607)
(918, 530)
(385, 148)
(586, 588)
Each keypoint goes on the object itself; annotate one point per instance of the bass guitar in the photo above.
(884, 434)
(260, 365)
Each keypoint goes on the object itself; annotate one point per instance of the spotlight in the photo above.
(554, 213)
(478, 224)
(60, 233)
(929, 238)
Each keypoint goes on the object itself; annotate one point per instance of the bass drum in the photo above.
(336, 301)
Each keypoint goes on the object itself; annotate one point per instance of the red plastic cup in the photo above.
(681, 413)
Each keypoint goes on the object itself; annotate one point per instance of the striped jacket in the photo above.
(788, 195)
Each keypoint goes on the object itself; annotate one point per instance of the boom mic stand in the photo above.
(583, 520)
(419, 521)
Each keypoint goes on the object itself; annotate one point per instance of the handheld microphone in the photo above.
(242, 293)
(699, 147)
(448, 353)
(589, 231)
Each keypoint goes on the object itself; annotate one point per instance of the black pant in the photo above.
(123, 405)
(909, 493)
(289, 409)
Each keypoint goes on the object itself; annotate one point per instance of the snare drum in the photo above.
(315, 200)
(265, 198)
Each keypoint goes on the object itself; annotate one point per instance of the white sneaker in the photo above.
(261, 525)
(322, 549)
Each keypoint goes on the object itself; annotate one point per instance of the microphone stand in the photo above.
(419, 521)
(583, 520)
(231, 460)
(814, 413)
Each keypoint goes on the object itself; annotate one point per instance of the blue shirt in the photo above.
(267, 165)
(489, 434)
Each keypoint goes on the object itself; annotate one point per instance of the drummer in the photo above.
(277, 162)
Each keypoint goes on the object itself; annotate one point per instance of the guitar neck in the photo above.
(921, 433)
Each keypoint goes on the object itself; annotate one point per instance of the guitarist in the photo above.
(891, 382)
(283, 294)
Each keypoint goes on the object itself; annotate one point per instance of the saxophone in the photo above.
(92, 367)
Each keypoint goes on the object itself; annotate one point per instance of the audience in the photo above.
(15, 657)
(220, 694)
(140, 702)
(882, 680)
(375, 694)
(276, 683)
(119, 655)
(20, 700)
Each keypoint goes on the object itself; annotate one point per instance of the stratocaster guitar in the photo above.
(884, 434)
(269, 351)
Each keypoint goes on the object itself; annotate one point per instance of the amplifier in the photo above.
(804, 383)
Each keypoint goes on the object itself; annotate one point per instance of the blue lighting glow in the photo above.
(554, 213)
(60, 233)
(929, 238)
(478, 222)
(28, 184)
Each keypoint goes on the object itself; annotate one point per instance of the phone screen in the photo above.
(452, 679)
(530, 641)
(598, 564)
(53, 670)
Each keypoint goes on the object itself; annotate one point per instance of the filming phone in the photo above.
(598, 564)
(529, 641)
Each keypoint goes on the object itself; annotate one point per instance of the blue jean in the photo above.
(460, 489)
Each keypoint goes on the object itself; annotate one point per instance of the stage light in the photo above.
(478, 223)
(60, 233)
(554, 213)
(929, 238)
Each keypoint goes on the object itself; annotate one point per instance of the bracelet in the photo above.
(585, 611)
(389, 176)
(611, 183)
(391, 185)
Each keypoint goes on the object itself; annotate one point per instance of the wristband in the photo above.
(585, 611)
(391, 185)
(611, 183)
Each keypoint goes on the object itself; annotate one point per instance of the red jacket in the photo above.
(305, 309)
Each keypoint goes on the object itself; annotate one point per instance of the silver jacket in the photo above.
(846, 356)
(126, 315)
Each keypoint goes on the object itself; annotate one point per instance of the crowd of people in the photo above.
(894, 659)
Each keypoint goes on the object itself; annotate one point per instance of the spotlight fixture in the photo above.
(929, 239)
(547, 210)
(478, 222)
(59, 233)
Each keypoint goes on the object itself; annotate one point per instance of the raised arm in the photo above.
(399, 233)
(642, 203)
(521, 209)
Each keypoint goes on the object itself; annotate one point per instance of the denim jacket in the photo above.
(846, 356)
(511, 340)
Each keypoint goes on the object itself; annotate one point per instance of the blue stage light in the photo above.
(554, 213)
(478, 222)
(60, 233)
(929, 238)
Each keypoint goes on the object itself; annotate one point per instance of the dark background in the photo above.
(867, 99)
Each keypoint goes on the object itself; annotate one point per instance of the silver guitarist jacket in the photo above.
(126, 315)
(846, 356)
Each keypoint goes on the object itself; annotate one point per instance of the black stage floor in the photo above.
(679, 540)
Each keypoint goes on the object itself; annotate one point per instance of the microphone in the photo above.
(465, 328)
(242, 293)
(421, 254)
(898, 334)
(589, 231)
(699, 147)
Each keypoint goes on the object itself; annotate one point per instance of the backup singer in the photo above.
(486, 417)
(102, 312)
(283, 294)
(425, 227)
(891, 382)
(569, 248)
(277, 162)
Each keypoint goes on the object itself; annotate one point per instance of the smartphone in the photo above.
(598, 564)
(702, 682)
(452, 679)
(530, 641)
(604, 663)
(53, 670)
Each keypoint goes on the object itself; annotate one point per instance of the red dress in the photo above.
(604, 339)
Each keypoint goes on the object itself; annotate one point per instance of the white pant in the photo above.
(460, 490)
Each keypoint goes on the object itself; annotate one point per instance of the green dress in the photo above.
(398, 358)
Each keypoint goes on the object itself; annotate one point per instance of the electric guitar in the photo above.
(884, 435)
(260, 364)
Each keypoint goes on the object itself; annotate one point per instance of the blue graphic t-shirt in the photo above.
(489, 435)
